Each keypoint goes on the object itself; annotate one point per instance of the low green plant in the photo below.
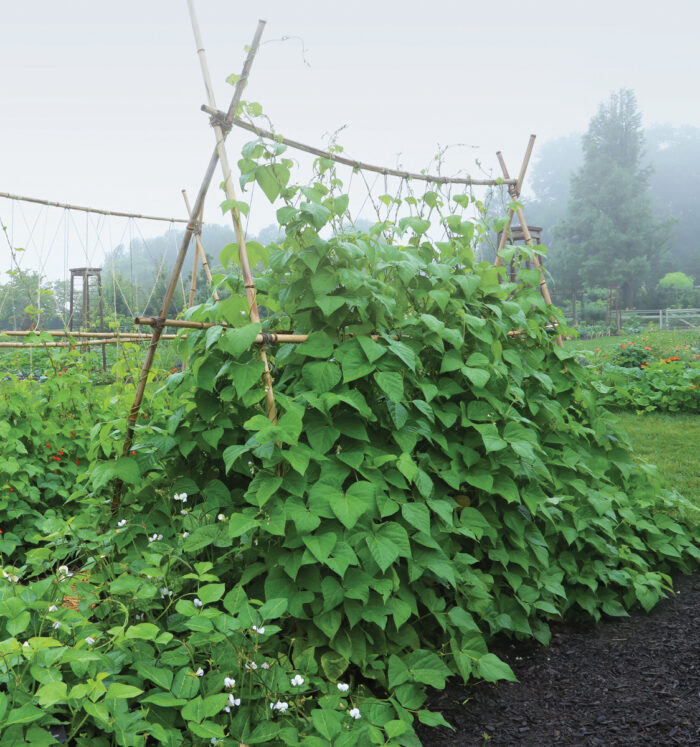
(666, 386)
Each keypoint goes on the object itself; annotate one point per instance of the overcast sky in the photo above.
(99, 101)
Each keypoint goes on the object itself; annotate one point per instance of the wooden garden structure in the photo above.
(222, 122)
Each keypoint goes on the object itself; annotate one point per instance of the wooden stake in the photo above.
(514, 194)
(273, 337)
(199, 253)
(177, 269)
(235, 214)
(518, 188)
(214, 112)
(36, 200)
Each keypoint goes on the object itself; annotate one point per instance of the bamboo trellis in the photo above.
(221, 123)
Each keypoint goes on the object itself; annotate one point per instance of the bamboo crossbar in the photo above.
(84, 209)
(92, 335)
(272, 337)
(218, 115)
(73, 344)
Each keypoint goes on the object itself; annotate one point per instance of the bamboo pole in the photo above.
(177, 269)
(91, 335)
(235, 214)
(117, 213)
(528, 240)
(73, 344)
(280, 337)
(217, 115)
(518, 189)
(199, 253)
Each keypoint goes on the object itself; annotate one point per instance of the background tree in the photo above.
(610, 235)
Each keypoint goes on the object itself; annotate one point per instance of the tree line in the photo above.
(617, 206)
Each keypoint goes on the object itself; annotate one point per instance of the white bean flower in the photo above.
(155, 538)
(257, 629)
(251, 665)
(56, 625)
(53, 608)
(197, 602)
(297, 680)
(199, 672)
(354, 713)
(229, 682)
(121, 523)
(280, 706)
(264, 665)
(89, 640)
(221, 517)
(182, 497)
(185, 535)
(343, 687)
(233, 701)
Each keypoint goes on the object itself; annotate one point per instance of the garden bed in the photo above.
(634, 681)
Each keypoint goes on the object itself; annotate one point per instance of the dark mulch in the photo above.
(630, 681)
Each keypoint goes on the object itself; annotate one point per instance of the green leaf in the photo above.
(165, 700)
(321, 545)
(321, 376)
(319, 345)
(477, 376)
(119, 690)
(18, 624)
(161, 676)
(232, 453)
(391, 383)
(237, 341)
(23, 715)
(239, 524)
(383, 550)
(143, 631)
(491, 668)
(418, 515)
(52, 692)
(433, 718)
(211, 592)
(235, 600)
(351, 505)
(127, 469)
(273, 608)
(194, 710)
(272, 179)
(327, 722)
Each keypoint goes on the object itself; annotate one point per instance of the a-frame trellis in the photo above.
(221, 123)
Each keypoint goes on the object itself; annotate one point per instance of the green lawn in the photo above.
(672, 443)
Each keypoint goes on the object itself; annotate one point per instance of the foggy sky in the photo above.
(100, 101)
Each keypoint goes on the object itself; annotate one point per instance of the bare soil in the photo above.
(626, 681)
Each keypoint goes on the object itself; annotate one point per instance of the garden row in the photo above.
(431, 483)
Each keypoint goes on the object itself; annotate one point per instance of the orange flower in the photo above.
(597, 350)
(623, 345)
(647, 348)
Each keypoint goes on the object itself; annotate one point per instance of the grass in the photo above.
(671, 443)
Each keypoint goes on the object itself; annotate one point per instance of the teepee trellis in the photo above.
(159, 322)
(222, 122)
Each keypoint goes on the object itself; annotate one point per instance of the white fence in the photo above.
(665, 318)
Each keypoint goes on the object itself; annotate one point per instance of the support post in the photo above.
(177, 269)
(102, 320)
(515, 194)
(235, 215)
(199, 253)
(516, 189)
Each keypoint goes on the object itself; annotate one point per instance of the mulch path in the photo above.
(627, 681)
